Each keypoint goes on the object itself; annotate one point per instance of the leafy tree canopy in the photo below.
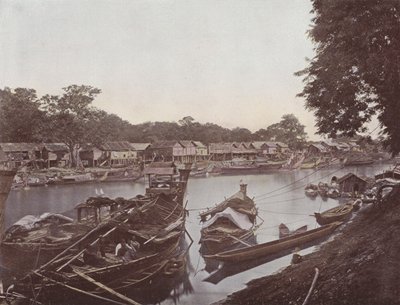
(356, 71)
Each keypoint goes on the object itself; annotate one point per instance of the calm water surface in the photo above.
(279, 197)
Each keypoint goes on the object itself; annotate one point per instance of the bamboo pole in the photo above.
(104, 287)
(79, 290)
(312, 287)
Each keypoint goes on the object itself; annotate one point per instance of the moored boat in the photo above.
(273, 247)
(229, 224)
(339, 213)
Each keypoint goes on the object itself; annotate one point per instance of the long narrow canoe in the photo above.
(339, 213)
(273, 247)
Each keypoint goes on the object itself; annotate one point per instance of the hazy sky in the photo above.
(229, 62)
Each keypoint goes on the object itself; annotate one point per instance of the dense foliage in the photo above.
(71, 119)
(356, 71)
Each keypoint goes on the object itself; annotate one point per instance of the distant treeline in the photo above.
(70, 118)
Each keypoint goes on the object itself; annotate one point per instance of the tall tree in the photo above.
(71, 116)
(289, 130)
(356, 71)
(21, 120)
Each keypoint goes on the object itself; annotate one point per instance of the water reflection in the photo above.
(276, 203)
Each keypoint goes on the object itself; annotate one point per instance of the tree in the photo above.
(72, 119)
(288, 130)
(21, 120)
(356, 71)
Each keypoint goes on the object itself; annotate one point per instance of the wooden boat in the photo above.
(229, 224)
(273, 247)
(339, 213)
(284, 230)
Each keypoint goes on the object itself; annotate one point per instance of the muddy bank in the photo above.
(360, 266)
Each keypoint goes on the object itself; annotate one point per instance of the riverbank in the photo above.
(360, 266)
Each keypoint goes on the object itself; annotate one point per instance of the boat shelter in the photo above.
(351, 183)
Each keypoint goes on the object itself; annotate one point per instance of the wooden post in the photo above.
(6, 179)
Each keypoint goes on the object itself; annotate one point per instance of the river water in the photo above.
(278, 195)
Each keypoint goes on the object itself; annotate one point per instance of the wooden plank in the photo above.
(239, 240)
(104, 287)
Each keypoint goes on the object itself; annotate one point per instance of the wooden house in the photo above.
(269, 149)
(258, 147)
(316, 149)
(184, 151)
(19, 154)
(141, 150)
(118, 153)
(56, 154)
(351, 183)
(201, 151)
(161, 151)
(221, 151)
(90, 155)
(282, 148)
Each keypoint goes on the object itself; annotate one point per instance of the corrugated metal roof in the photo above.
(17, 147)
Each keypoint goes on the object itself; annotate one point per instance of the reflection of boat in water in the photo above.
(229, 224)
(339, 213)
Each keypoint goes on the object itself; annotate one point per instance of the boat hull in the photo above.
(274, 247)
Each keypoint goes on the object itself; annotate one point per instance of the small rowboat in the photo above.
(340, 213)
(273, 247)
(284, 230)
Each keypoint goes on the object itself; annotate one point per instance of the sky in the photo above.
(229, 62)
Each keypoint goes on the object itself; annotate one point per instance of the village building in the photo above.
(201, 151)
(90, 155)
(282, 148)
(244, 151)
(351, 183)
(20, 154)
(161, 151)
(118, 153)
(269, 149)
(316, 149)
(221, 151)
(184, 151)
(140, 149)
(258, 147)
(56, 155)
